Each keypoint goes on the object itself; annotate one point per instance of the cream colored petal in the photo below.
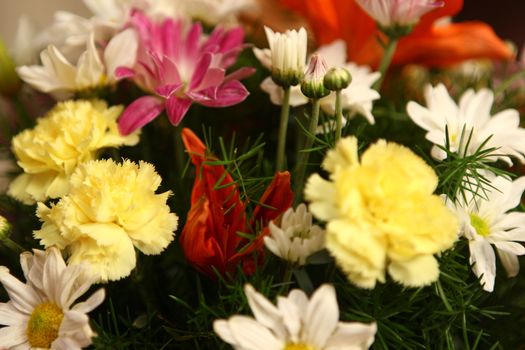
(321, 194)
(419, 271)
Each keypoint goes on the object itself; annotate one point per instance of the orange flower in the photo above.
(210, 238)
(428, 44)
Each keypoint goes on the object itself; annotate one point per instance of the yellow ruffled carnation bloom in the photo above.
(71, 133)
(110, 209)
(382, 214)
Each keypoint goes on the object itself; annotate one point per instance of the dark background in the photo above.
(507, 17)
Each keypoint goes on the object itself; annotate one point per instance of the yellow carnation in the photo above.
(110, 210)
(382, 214)
(71, 133)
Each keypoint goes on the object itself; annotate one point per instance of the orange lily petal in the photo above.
(427, 44)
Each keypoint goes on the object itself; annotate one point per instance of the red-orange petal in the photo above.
(453, 43)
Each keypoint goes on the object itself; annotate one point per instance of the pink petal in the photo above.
(139, 113)
(124, 72)
(213, 77)
(228, 94)
(240, 74)
(177, 108)
(200, 70)
(167, 90)
(193, 38)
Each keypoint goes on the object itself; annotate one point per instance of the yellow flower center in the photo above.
(300, 346)
(43, 325)
(480, 225)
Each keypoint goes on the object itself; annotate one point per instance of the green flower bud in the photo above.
(312, 85)
(337, 79)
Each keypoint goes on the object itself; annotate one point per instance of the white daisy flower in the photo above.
(296, 238)
(486, 221)
(60, 78)
(357, 98)
(471, 115)
(40, 313)
(390, 13)
(296, 323)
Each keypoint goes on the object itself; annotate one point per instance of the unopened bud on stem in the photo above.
(337, 79)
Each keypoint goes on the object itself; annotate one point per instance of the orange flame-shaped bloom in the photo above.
(429, 43)
(210, 238)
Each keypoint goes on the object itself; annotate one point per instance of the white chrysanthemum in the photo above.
(216, 11)
(471, 115)
(390, 13)
(357, 98)
(296, 323)
(60, 78)
(286, 56)
(295, 239)
(485, 221)
(40, 313)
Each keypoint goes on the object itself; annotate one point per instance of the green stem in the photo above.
(385, 62)
(338, 115)
(287, 279)
(285, 112)
(12, 245)
(304, 154)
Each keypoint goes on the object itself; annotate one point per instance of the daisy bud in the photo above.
(312, 84)
(9, 82)
(337, 79)
(288, 54)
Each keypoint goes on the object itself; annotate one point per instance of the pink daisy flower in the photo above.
(180, 65)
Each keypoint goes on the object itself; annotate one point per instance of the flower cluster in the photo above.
(394, 196)
(110, 210)
(71, 133)
(381, 214)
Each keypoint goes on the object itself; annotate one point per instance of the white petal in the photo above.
(291, 316)
(222, 328)
(510, 262)
(121, 51)
(352, 336)
(10, 316)
(263, 310)
(484, 263)
(92, 302)
(322, 316)
(252, 335)
(23, 297)
(13, 335)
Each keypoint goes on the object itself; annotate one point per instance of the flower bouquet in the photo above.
(207, 174)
